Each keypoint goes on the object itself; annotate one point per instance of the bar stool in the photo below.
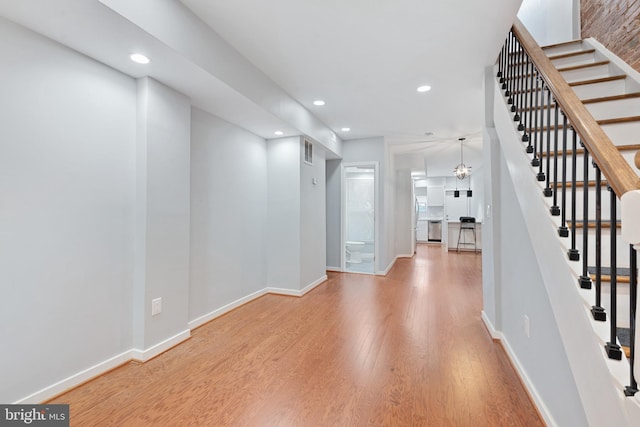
(467, 225)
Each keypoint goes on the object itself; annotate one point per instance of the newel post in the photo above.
(630, 212)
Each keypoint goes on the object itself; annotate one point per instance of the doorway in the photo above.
(360, 186)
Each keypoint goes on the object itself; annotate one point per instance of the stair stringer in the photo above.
(602, 397)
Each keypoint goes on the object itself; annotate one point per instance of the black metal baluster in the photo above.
(632, 388)
(525, 137)
(509, 90)
(574, 254)
(500, 59)
(518, 98)
(612, 347)
(555, 209)
(597, 311)
(505, 63)
(534, 133)
(563, 231)
(585, 280)
(540, 176)
(547, 190)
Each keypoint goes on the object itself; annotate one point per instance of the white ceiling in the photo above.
(365, 58)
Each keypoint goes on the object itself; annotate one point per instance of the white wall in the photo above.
(162, 213)
(283, 234)
(67, 180)
(404, 233)
(551, 21)
(228, 213)
(313, 248)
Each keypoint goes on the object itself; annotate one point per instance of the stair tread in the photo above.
(582, 66)
(599, 80)
(551, 46)
(569, 184)
(592, 224)
(571, 54)
(580, 151)
(612, 98)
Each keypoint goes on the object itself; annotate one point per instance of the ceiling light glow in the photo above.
(139, 58)
(318, 102)
(279, 133)
(345, 129)
(425, 88)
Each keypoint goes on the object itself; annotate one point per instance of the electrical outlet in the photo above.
(156, 306)
(527, 326)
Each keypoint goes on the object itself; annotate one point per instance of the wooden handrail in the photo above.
(620, 176)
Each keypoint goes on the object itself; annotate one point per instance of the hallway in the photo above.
(408, 349)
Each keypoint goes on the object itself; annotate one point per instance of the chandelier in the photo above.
(462, 171)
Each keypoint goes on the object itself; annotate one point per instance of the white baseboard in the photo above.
(294, 292)
(404, 256)
(76, 379)
(161, 347)
(388, 269)
(526, 381)
(338, 269)
(224, 309)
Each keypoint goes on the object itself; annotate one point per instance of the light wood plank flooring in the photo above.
(408, 349)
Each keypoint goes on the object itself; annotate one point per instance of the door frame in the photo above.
(343, 213)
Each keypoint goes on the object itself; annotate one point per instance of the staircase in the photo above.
(576, 109)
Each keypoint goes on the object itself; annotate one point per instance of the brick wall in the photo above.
(615, 24)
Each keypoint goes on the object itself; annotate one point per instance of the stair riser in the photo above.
(605, 205)
(622, 304)
(586, 73)
(627, 155)
(574, 60)
(623, 133)
(613, 109)
(564, 48)
(599, 90)
(622, 248)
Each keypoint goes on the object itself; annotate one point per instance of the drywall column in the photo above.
(161, 268)
(283, 235)
(333, 226)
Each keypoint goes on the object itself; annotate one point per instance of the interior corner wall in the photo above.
(334, 226)
(283, 217)
(550, 21)
(313, 220)
(67, 179)
(228, 214)
(404, 206)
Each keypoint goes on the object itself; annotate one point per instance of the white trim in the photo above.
(389, 267)
(296, 293)
(225, 309)
(492, 331)
(404, 256)
(338, 269)
(76, 379)
(533, 392)
(161, 347)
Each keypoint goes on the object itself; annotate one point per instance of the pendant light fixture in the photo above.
(462, 171)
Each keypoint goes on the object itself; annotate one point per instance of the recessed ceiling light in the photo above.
(425, 88)
(318, 102)
(279, 133)
(345, 129)
(139, 58)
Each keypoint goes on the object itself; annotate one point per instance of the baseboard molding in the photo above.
(225, 309)
(75, 380)
(524, 378)
(296, 293)
(404, 256)
(389, 267)
(161, 347)
(495, 335)
(337, 269)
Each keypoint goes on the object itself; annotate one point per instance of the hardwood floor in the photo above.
(408, 349)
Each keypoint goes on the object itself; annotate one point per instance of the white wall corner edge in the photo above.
(524, 378)
(389, 267)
